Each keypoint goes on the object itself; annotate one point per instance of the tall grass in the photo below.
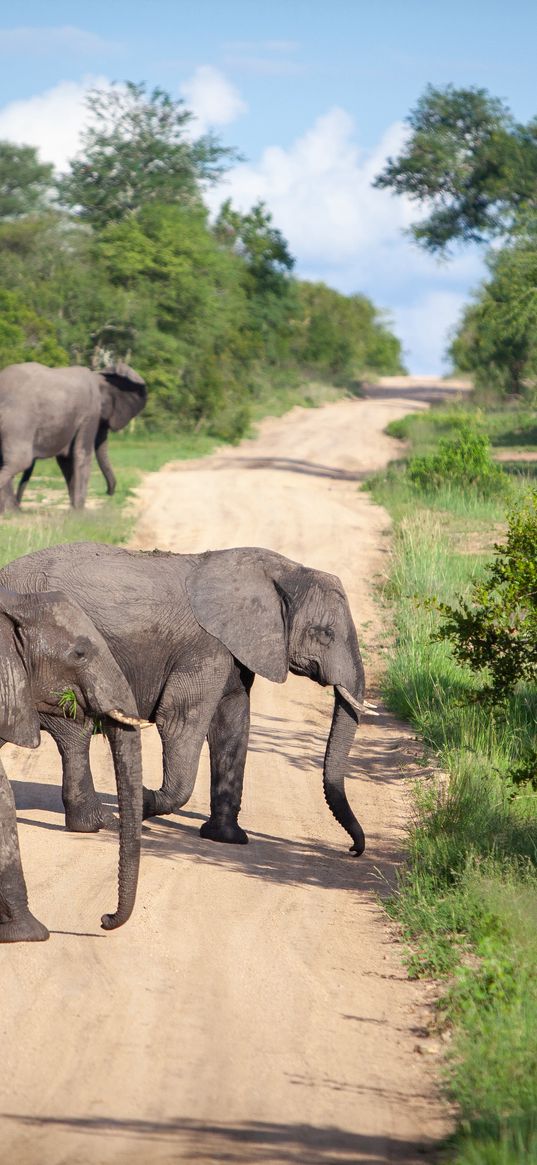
(467, 901)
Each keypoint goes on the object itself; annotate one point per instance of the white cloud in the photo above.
(343, 231)
(212, 98)
(319, 190)
(41, 41)
(52, 121)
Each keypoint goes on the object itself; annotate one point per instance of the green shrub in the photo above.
(496, 630)
(461, 461)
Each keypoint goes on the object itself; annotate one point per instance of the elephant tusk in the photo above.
(366, 709)
(134, 721)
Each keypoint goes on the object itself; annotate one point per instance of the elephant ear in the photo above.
(127, 395)
(234, 598)
(19, 721)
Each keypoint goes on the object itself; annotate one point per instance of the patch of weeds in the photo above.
(466, 901)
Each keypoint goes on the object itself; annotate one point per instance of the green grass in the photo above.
(513, 426)
(467, 901)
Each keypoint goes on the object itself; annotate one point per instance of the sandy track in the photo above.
(255, 1008)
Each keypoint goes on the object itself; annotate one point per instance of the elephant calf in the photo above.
(189, 633)
(64, 413)
(47, 645)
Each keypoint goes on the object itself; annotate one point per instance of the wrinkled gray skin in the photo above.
(47, 645)
(64, 413)
(189, 633)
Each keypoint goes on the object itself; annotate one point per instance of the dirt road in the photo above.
(255, 1008)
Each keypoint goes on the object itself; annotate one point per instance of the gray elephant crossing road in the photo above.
(190, 632)
(64, 413)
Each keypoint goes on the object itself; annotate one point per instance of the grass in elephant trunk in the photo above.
(467, 902)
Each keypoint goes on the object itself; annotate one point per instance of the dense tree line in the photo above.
(118, 259)
(473, 170)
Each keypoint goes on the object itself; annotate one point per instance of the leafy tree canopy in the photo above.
(136, 150)
(25, 182)
(264, 268)
(497, 338)
(467, 163)
(343, 335)
(25, 335)
(261, 245)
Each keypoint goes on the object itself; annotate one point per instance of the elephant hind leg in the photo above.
(24, 481)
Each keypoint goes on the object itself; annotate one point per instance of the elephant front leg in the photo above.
(17, 923)
(84, 812)
(183, 718)
(228, 744)
(76, 465)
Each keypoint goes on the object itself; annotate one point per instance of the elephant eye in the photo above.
(322, 634)
(79, 650)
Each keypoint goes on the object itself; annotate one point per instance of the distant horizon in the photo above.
(313, 96)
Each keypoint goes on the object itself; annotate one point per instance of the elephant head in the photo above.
(123, 396)
(276, 616)
(48, 646)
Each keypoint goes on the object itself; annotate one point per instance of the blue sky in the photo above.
(313, 94)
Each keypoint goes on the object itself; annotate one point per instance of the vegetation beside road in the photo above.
(467, 901)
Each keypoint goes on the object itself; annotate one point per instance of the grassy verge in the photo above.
(467, 902)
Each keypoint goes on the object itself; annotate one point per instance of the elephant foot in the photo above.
(228, 832)
(90, 819)
(24, 929)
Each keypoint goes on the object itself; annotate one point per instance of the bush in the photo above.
(463, 460)
(496, 631)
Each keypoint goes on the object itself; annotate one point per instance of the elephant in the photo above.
(190, 631)
(49, 646)
(64, 413)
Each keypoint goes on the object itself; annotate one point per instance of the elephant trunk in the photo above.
(127, 754)
(345, 721)
(103, 460)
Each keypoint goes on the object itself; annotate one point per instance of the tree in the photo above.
(264, 269)
(497, 338)
(25, 335)
(468, 163)
(137, 150)
(343, 335)
(25, 182)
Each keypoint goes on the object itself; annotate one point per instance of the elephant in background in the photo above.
(189, 633)
(48, 645)
(64, 413)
